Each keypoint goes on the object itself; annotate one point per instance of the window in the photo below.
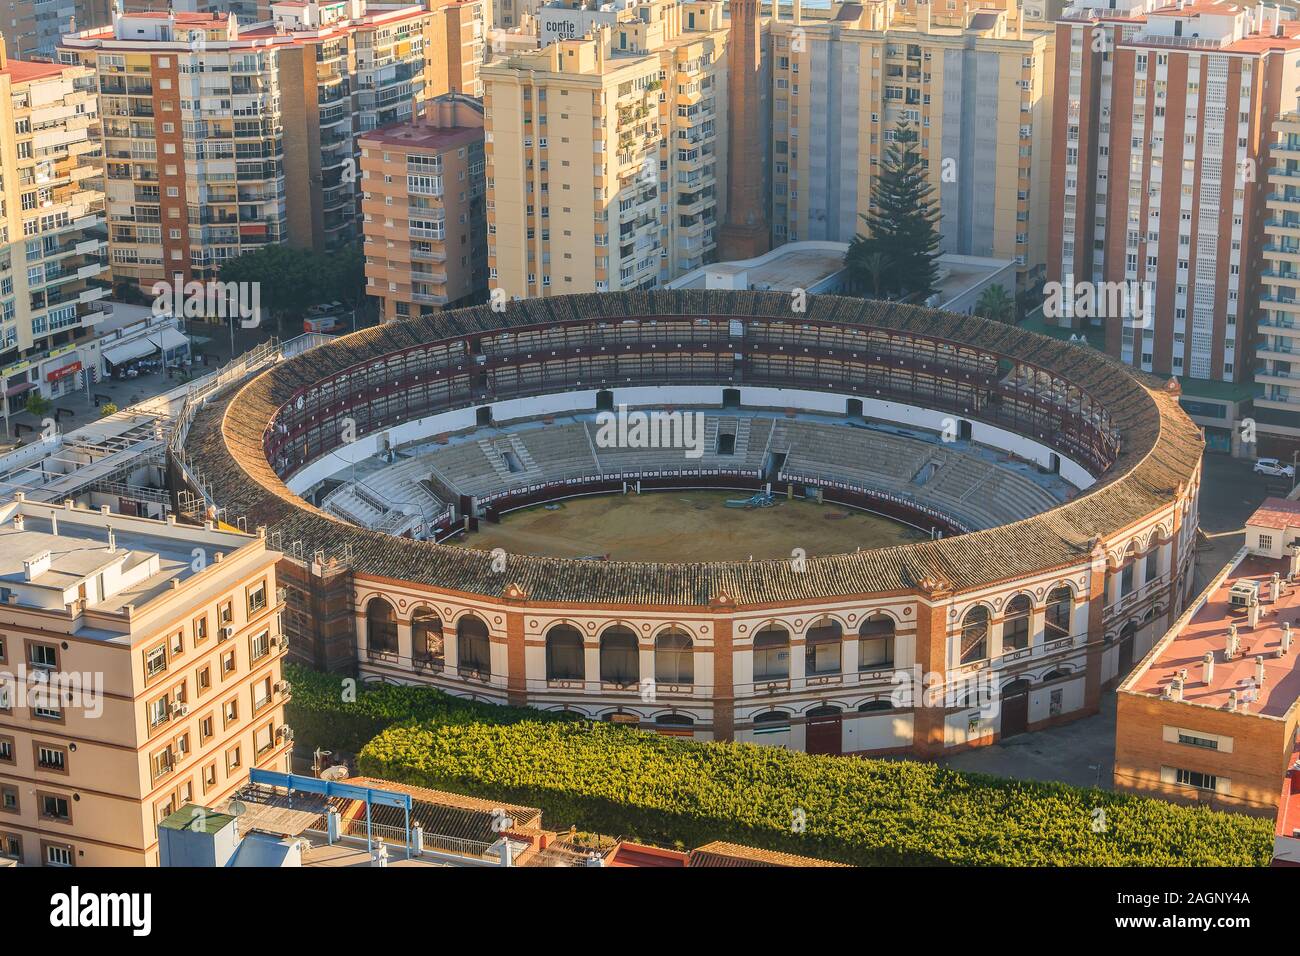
(205, 729)
(11, 846)
(6, 750)
(200, 629)
(234, 760)
(226, 612)
(427, 645)
(256, 598)
(674, 657)
(57, 854)
(822, 647)
(876, 642)
(51, 758)
(1192, 740)
(1015, 625)
(43, 656)
(1060, 604)
(974, 635)
(564, 653)
(209, 777)
(204, 679)
(9, 799)
(1194, 778)
(1266, 542)
(771, 653)
(473, 647)
(155, 661)
(381, 627)
(55, 807)
(229, 712)
(619, 658)
(227, 663)
(259, 646)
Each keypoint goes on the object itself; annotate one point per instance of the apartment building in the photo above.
(460, 32)
(53, 268)
(141, 672)
(974, 83)
(33, 27)
(606, 154)
(507, 14)
(1277, 406)
(423, 203)
(1210, 715)
(1160, 142)
(221, 138)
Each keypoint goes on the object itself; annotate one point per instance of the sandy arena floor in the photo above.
(686, 526)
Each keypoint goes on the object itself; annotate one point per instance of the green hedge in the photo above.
(679, 793)
(320, 717)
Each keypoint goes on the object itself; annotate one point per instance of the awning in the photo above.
(127, 351)
(169, 339)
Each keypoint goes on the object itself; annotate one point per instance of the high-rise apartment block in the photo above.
(973, 83)
(606, 155)
(423, 199)
(53, 270)
(220, 138)
(1160, 144)
(139, 672)
(33, 27)
(1277, 406)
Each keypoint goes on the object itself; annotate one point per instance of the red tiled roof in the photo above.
(1276, 513)
(24, 71)
(1208, 631)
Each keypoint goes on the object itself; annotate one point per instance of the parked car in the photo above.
(1273, 468)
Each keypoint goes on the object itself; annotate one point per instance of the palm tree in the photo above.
(995, 304)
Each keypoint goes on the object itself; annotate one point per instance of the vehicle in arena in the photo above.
(958, 503)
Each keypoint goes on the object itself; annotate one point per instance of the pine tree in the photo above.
(903, 224)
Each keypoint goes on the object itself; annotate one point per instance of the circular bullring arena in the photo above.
(861, 528)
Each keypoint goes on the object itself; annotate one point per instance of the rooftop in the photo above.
(25, 71)
(1278, 513)
(796, 265)
(423, 136)
(1206, 630)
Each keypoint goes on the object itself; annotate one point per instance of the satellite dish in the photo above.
(236, 808)
(337, 772)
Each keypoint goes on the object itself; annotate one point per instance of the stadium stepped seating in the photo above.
(467, 468)
(561, 451)
(497, 449)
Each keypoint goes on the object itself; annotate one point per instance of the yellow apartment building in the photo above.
(606, 154)
(139, 671)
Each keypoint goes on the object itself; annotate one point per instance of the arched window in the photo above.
(1015, 623)
(875, 706)
(975, 635)
(564, 655)
(773, 722)
(619, 662)
(822, 647)
(426, 637)
(381, 627)
(1054, 675)
(771, 653)
(1152, 570)
(1060, 607)
(876, 643)
(675, 725)
(674, 658)
(473, 650)
(1126, 574)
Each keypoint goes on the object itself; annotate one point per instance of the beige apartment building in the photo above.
(139, 671)
(53, 270)
(1277, 406)
(221, 137)
(1164, 118)
(973, 80)
(606, 154)
(423, 206)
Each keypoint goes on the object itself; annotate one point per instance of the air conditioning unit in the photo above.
(284, 733)
(226, 632)
(283, 687)
(180, 709)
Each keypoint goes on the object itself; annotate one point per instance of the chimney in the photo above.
(1232, 701)
(54, 523)
(19, 522)
(1259, 671)
(1175, 690)
(1277, 19)
(1252, 615)
(1207, 667)
(112, 541)
(1234, 643)
(1286, 638)
(1276, 591)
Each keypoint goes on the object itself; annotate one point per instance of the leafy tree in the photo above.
(108, 408)
(39, 405)
(292, 280)
(994, 303)
(867, 259)
(903, 224)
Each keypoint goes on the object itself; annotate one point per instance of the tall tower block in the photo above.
(745, 233)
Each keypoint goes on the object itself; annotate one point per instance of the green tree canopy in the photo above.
(902, 226)
(994, 303)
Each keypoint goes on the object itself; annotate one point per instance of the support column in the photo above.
(1100, 580)
(724, 689)
(516, 658)
(928, 723)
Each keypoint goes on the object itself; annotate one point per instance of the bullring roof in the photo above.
(1160, 452)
